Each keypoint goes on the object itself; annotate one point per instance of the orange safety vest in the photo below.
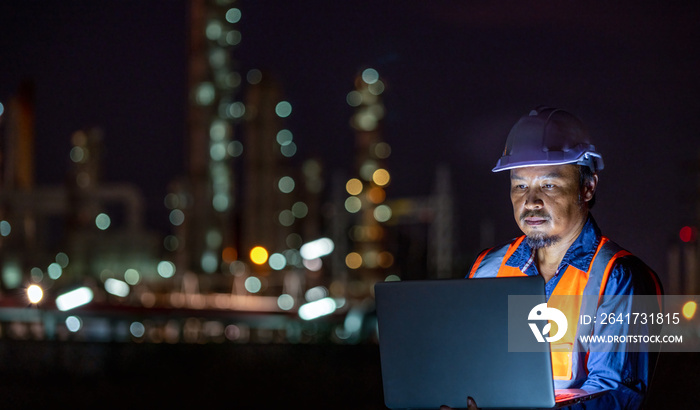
(573, 282)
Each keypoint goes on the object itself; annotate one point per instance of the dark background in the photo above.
(458, 75)
(149, 376)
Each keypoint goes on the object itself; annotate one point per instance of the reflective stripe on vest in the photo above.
(492, 262)
(573, 282)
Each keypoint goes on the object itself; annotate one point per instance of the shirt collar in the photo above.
(579, 255)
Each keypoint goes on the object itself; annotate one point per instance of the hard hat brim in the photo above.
(591, 159)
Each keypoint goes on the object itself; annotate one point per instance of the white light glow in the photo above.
(233, 15)
(220, 202)
(283, 109)
(217, 151)
(237, 109)
(316, 293)
(103, 221)
(54, 270)
(219, 130)
(132, 276)
(286, 184)
(289, 150)
(285, 301)
(284, 137)
(74, 298)
(253, 284)
(370, 76)
(73, 323)
(277, 261)
(318, 308)
(137, 329)
(205, 93)
(353, 321)
(5, 228)
(316, 249)
(353, 204)
(209, 262)
(176, 217)
(117, 287)
(77, 154)
(382, 213)
(213, 30)
(34, 293)
(166, 269)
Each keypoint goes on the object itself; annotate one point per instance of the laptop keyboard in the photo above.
(563, 396)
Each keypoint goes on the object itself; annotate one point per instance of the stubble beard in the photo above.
(538, 240)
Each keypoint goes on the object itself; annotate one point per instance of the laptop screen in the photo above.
(443, 340)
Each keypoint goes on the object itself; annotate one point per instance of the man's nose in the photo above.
(533, 199)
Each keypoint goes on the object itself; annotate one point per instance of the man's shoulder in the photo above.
(630, 271)
(625, 260)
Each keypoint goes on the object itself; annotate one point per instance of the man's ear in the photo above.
(588, 190)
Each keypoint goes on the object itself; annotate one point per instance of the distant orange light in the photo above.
(376, 195)
(353, 260)
(229, 254)
(258, 255)
(354, 186)
(385, 259)
(374, 233)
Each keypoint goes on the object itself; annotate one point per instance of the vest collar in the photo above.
(579, 255)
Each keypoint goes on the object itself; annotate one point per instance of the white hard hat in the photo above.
(549, 136)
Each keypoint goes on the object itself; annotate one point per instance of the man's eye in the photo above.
(548, 186)
(520, 187)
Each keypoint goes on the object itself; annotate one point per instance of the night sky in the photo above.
(458, 74)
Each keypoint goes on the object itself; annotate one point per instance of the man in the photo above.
(553, 173)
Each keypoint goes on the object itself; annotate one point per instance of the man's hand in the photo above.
(471, 405)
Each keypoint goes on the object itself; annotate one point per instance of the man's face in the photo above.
(548, 204)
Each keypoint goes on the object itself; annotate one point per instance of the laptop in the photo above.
(443, 340)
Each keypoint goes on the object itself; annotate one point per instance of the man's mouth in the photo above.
(535, 221)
